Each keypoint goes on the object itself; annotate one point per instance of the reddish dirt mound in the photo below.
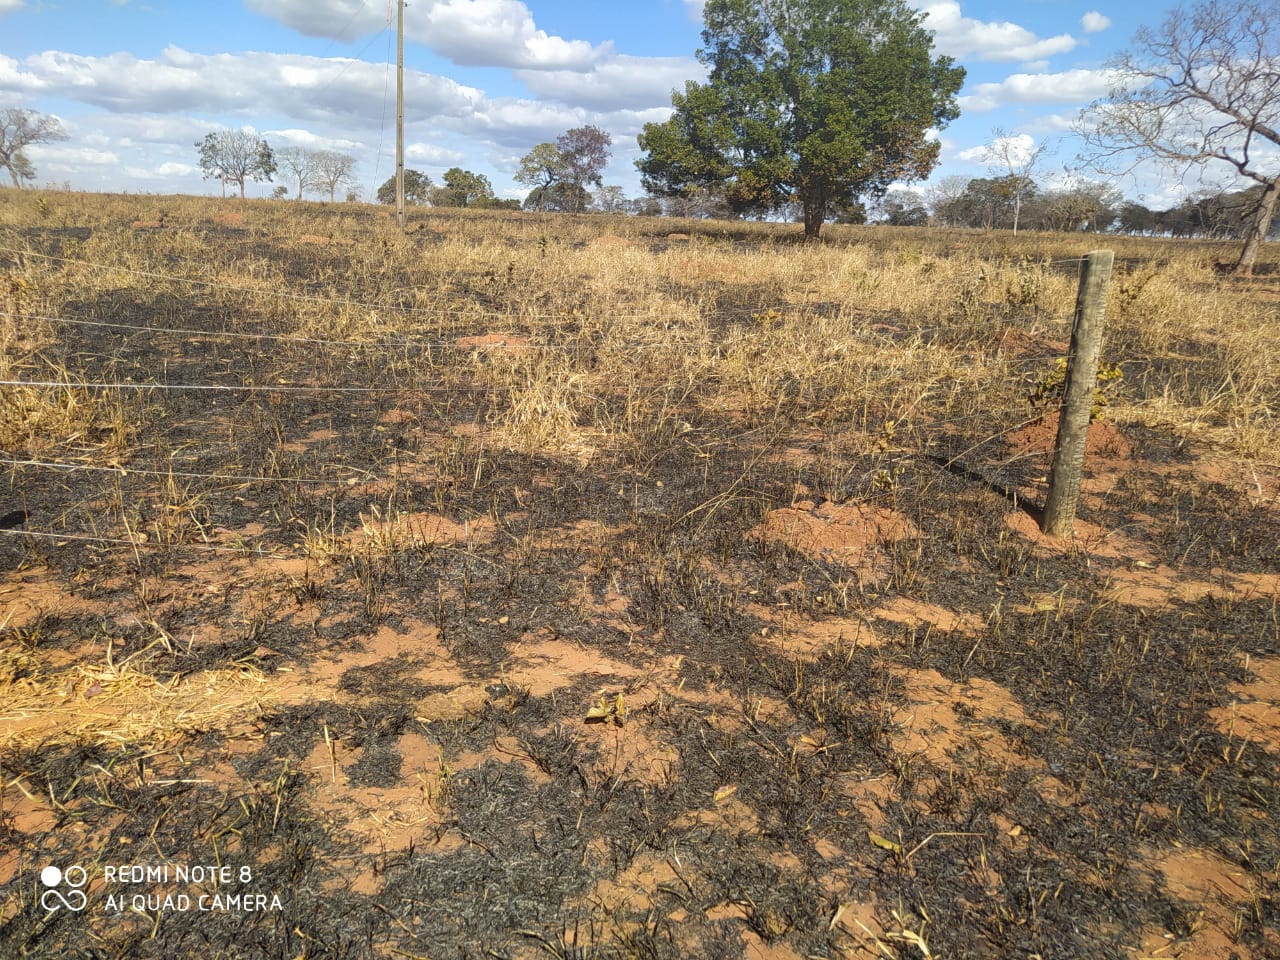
(852, 534)
(1105, 439)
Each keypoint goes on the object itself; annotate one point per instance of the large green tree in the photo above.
(463, 188)
(814, 102)
(417, 189)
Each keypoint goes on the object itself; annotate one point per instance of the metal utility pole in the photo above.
(400, 114)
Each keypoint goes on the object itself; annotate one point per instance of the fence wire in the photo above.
(876, 330)
(126, 471)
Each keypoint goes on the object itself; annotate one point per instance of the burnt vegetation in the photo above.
(503, 624)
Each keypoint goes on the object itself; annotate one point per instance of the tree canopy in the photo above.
(815, 102)
(19, 129)
(463, 188)
(417, 188)
(560, 173)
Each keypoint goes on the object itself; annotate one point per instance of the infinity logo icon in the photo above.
(54, 899)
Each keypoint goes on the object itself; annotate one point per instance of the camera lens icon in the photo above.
(64, 888)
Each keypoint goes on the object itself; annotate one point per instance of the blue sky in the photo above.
(137, 83)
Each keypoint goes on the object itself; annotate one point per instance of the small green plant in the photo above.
(1047, 389)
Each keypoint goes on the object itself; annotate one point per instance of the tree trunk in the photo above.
(242, 179)
(815, 211)
(1258, 229)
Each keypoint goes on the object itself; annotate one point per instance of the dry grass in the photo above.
(744, 315)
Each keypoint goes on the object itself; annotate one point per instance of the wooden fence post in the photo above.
(1077, 395)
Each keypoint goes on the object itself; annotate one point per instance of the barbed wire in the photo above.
(124, 471)
(197, 332)
(219, 388)
(515, 311)
(518, 338)
(312, 298)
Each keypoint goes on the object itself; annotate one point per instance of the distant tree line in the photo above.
(989, 203)
(238, 156)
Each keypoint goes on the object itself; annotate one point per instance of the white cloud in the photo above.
(68, 158)
(1094, 22)
(332, 19)
(1070, 86)
(339, 91)
(521, 123)
(617, 82)
(497, 33)
(1051, 123)
(1018, 148)
(156, 110)
(475, 33)
(432, 155)
(165, 171)
(1004, 42)
(305, 138)
(9, 6)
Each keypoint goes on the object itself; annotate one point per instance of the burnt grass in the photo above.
(1120, 695)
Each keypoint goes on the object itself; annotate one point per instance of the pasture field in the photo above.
(522, 586)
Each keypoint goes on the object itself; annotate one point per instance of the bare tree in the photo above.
(234, 156)
(19, 129)
(1202, 90)
(942, 197)
(334, 169)
(1014, 161)
(300, 164)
